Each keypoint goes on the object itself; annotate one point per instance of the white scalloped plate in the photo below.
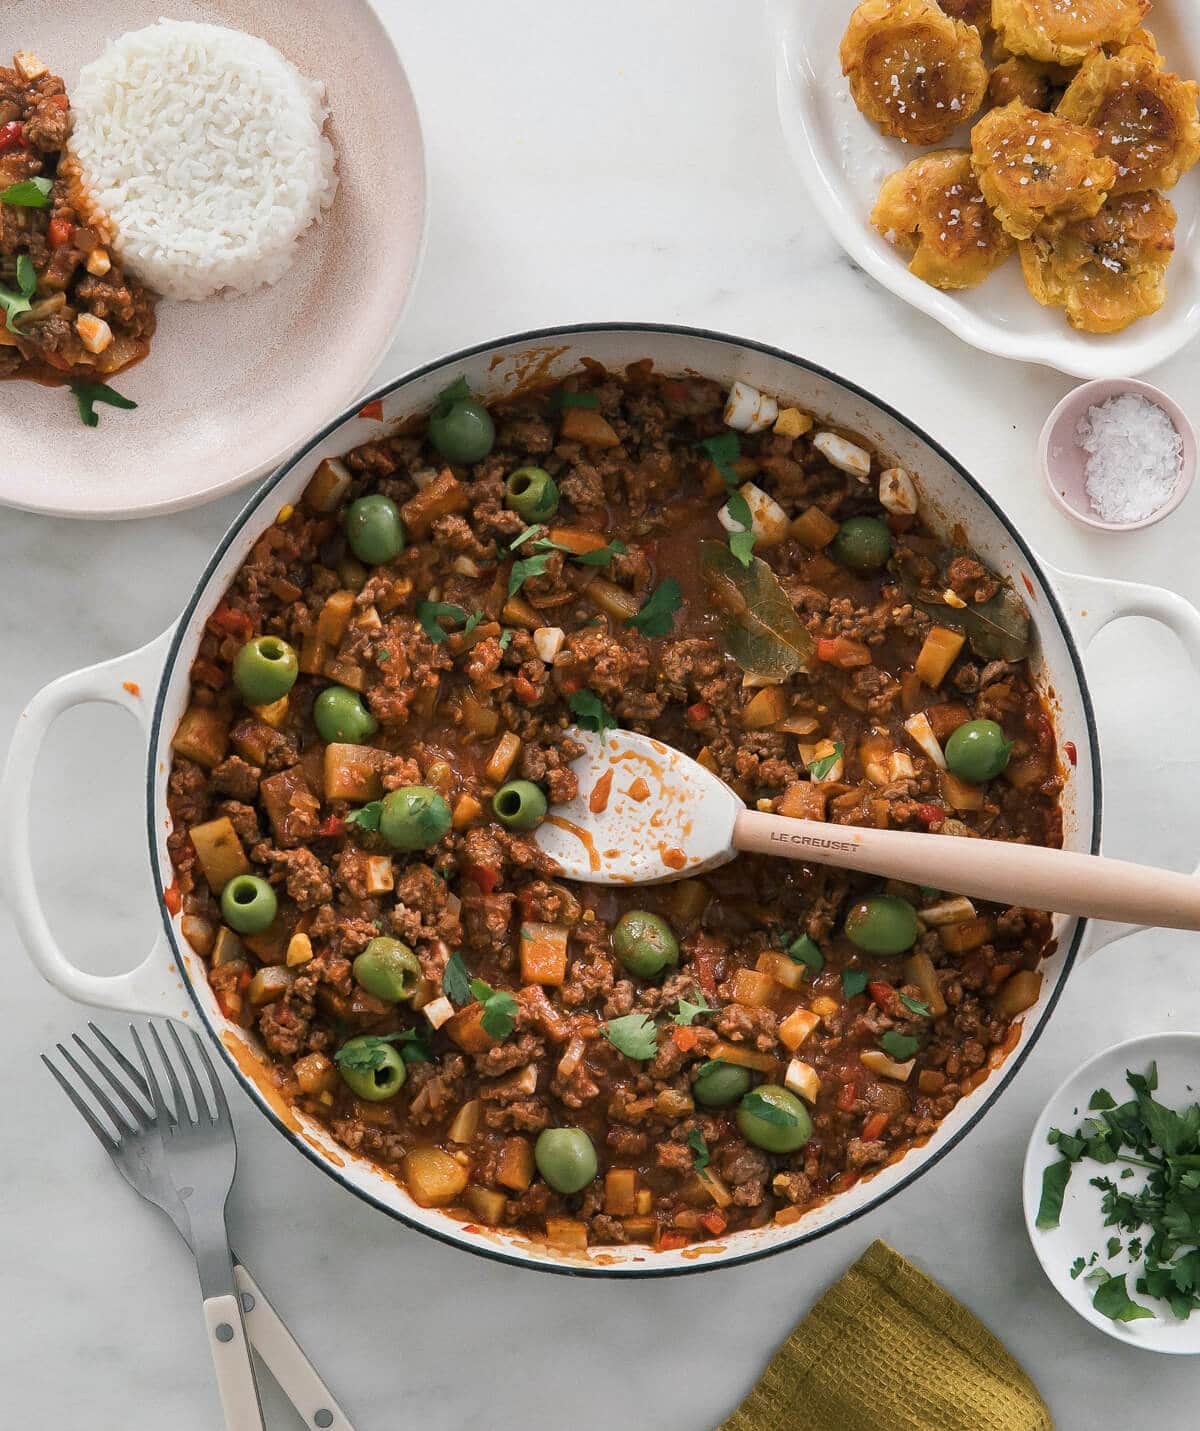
(843, 159)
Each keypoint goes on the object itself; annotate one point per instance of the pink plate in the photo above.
(1063, 461)
(232, 386)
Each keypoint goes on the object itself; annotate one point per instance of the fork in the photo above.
(140, 1152)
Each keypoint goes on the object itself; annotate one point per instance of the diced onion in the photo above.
(748, 410)
(439, 1011)
(801, 1078)
(768, 521)
(897, 493)
(843, 455)
(548, 642)
(922, 735)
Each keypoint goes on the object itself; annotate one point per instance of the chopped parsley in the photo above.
(383, 655)
(600, 557)
(690, 1011)
(854, 981)
(915, 1006)
(499, 1009)
(804, 951)
(754, 1105)
(819, 769)
(560, 398)
(724, 450)
(456, 980)
(524, 537)
(28, 194)
(87, 395)
(431, 615)
(657, 616)
(899, 1046)
(365, 1053)
(1077, 1267)
(523, 570)
(366, 817)
(741, 543)
(700, 1154)
(16, 304)
(634, 1035)
(590, 712)
(506, 638)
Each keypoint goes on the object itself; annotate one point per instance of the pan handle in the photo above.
(1096, 602)
(130, 681)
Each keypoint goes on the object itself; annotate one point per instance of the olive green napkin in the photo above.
(886, 1349)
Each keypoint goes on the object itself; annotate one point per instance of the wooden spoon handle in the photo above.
(1026, 875)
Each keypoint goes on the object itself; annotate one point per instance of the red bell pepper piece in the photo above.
(372, 409)
(232, 623)
(332, 828)
(930, 814)
(172, 898)
(874, 1126)
(699, 712)
(12, 136)
(713, 1222)
(60, 232)
(525, 691)
(483, 876)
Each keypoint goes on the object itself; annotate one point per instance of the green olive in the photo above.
(566, 1158)
(265, 670)
(719, 1084)
(977, 751)
(414, 818)
(882, 924)
(644, 943)
(520, 805)
(351, 573)
(339, 715)
(248, 904)
(462, 431)
(533, 493)
(773, 1119)
(374, 529)
(389, 970)
(376, 1084)
(862, 544)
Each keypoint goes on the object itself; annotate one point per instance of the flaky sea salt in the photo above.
(1135, 459)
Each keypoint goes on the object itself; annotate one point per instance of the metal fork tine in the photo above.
(98, 1093)
(202, 1109)
(141, 1117)
(218, 1092)
(120, 1059)
(109, 1143)
(184, 1113)
(160, 1107)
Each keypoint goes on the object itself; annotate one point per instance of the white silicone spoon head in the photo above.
(645, 813)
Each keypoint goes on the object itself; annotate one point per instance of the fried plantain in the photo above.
(1036, 168)
(913, 71)
(1033, 82)
(1146, 118)
(970, 12)
(1065, 32)
(1107, 270)
(933, 210)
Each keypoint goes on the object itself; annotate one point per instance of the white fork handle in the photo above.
(232, 1364)
(1028, 875)
(285, 1359)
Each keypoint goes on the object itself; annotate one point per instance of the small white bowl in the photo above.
(1063, 461)
(1081, 1230)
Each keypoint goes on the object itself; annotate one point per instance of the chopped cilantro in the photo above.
(1077, 1267)
(1112, 1300)
(819, 769)
(499, 1009)
(741, 543)
(366, 817)
(1054, 1186)
(754, 1105)
(657, 616)
(364, 1054)
(590, 712)
(87, 395)
(16, 304)
(523, 570)
(689, 1011)
(634, 1035)
(723, 451)
(431, 615)
(560, 398)
(506, 638)
(915, 1006)
(28, 194)
(524, 537)
(805, 951)
(854, 981)
(600, 557)
(456, 981)
(700, 1154)
(383, 655)
(898, 1046)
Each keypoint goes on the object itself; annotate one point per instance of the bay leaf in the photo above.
(996, 630)
(759, 625)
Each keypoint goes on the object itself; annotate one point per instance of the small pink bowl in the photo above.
(1063, 461)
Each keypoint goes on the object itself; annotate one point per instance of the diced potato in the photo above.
(823, 1006)
(544, 953)
(219, 851)
(478, 719)
(486, 1204)
(516, 611)
(783, 970)
(467, 809)
(438, 1011)
(515, 1165)
(442, 497)
(1018, 993)
(467, 1030)
(199, 933)
(433, 1177)
(671, 1103)
(380, 876)
(919, 970)
(814, 529)
(948, 911)
(946, 716)
(98, 262)
(291, 805)
(884, 1067)
(466, 1122)
(714, 1185)
(1026, 772)
(503, 758)
(791, 422)
(299, 950)
(687, 900)
(744, 1057)
(620, 1192)
(353, 772)
(900, 766)
(796, 1028)
(769, 706)
(565, 1233)
(578, 542)
(334, 618)
(922, 736)
(227, 948)
(752, 988)
(970, 934)
(29, 66)
(803, 1080)
(938, 653)
(274, 714)
(613, 600)
(315, 1074)
(270, 947)
(587, 426)
(346, 672)
(328, 485)
(202, 736)
(804, 800)
(270, 984)
(640, 1229)
(959, 794)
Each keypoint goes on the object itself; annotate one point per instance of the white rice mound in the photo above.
(205, 148)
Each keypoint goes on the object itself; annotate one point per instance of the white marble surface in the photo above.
(588, 162)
